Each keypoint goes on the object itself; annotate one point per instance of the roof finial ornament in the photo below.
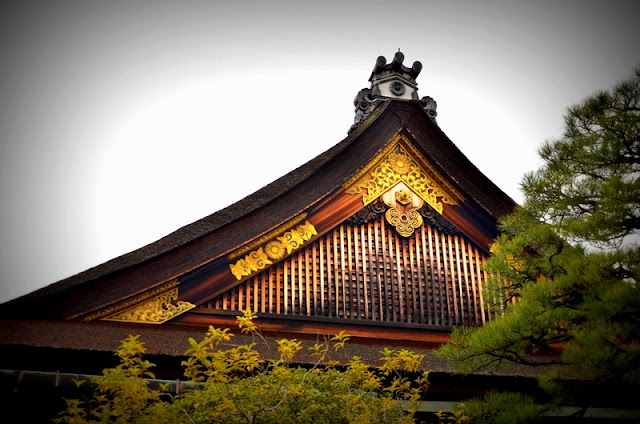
(391, 81)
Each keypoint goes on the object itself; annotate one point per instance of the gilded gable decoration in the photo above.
(405, 223)
(404, 196)
(272, 247)
(401, 162)
(152, 307)
(403, 209)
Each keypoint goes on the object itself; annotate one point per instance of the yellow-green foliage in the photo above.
(121, 393)
(238, 386)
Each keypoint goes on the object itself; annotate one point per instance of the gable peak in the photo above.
(394, 80)
(391, 81)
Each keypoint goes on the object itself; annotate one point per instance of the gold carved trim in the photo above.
(400, 161)
(154, 311)
(404, 196)
(405, 224)
(270, 235)
(151, 307)
(272, 247)
(403, 209)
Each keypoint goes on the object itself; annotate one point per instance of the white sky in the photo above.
(121, 121)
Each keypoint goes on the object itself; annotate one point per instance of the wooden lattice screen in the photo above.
(368, 272)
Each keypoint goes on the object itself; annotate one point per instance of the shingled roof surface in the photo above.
(208, 224)
(172, 342)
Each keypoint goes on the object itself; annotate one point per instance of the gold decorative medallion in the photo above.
(403, 209)
(404, 196)
(152, 307)
(275, 250)
(401, 162)
(275, 246)
(405, 224)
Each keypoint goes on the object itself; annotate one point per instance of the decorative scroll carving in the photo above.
(267, 237)
(365, 103)
(438, 221)
(154, 311)
(405, 224)
(400, 162)
(152, 307)
(369, 213)
(403, 213)
(273, 248)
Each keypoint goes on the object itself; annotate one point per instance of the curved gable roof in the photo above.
(214, 236)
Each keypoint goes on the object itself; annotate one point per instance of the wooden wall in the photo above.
(370, 273)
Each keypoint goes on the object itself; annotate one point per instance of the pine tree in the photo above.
(564, 272)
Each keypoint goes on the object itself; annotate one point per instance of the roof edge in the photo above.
(203, 226)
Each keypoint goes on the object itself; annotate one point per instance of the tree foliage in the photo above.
(588, 188)
(235, 384)
(503, 408)
(565, 269)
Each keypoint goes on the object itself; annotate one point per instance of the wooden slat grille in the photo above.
(368, 272)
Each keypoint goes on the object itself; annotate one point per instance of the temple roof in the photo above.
(383, 236)
(218, 234)
(313, 253)
(218, 252)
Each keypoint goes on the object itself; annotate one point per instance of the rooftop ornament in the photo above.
(391, 81)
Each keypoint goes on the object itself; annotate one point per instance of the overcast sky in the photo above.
(122, 121)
